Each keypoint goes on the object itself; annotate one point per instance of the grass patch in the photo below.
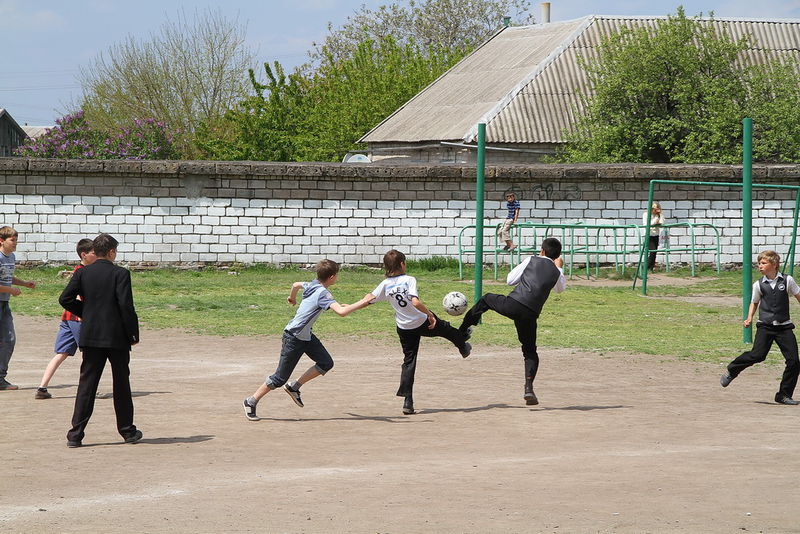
(253, 302)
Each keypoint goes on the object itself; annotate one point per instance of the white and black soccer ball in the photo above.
(455, 303)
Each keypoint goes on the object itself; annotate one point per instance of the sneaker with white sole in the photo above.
(294, 394)
(250, 411)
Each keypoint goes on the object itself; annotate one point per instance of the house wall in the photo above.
(195, 213)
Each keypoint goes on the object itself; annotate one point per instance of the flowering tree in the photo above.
(75, 138)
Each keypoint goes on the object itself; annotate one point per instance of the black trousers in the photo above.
(94, 360)
(409, 340)
(653, 245)
(785, 339)
(524, 320)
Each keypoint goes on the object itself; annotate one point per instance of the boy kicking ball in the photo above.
(298, 339)
(771, 294)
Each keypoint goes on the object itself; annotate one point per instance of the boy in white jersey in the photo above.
(414, 320)
(772, 293)
(298, 338)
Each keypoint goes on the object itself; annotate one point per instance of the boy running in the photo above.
(298, 339)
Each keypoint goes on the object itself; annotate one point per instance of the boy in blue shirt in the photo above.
(298, 339)
(8, 263)
(512, 204)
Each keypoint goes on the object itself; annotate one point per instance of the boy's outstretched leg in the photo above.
(788, 345)
(526, 333)
(449, 332)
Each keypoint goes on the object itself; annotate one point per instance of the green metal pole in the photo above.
(479, 194)
(794, 237)
(747, 223)
(645, 252)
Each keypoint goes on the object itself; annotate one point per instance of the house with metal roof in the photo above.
(525, 83)
(11, 134)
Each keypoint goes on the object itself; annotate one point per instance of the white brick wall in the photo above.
(302, 231)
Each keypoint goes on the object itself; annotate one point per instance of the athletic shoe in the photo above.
(74, 444)
(42, 393)
(725, 379)
(783, 399)
(134, 438)
(250, 411)
(294, 394)
(408, 406)
(530, 396)
(465, 350)
(5, 385)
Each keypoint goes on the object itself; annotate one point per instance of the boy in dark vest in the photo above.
(772, 293)
(533, 279)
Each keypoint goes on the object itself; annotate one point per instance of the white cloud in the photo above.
(21, 16)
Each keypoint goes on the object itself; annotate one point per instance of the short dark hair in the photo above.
(392, 261)
(325, 269)
(103, 244)
(551, 247)
(84, 246)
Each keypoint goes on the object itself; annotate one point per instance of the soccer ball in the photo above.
(455, 303)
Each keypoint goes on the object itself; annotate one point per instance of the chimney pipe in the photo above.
(545, 12)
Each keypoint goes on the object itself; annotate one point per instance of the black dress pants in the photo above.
(409, 340)
(524, 320)
(653, 246)
(94, 360)
(785, 339)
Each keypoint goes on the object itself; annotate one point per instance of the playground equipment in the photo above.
(592, 241)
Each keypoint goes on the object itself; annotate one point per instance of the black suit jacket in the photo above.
(107, 312)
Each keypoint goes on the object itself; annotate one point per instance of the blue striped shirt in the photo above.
(512, 208)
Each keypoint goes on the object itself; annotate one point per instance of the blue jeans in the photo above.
(8, 338)
(291, 351)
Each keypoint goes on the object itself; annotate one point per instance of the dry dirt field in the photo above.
(620, 443)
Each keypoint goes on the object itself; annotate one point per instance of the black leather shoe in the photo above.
(783, 399)
(408, 406)
(530, 396)
(134, 438)
(74, 444)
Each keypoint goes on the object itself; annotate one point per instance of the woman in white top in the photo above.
(656, 220)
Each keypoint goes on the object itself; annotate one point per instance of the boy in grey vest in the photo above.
(533, 279)
(771, 292)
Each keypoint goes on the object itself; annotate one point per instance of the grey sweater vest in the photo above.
(774, 305)
(538, 278)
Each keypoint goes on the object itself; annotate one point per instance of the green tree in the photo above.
(455, 25)
(190, 71)
(320, 116)
(676, 93)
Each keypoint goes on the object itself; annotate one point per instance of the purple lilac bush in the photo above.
(75, 138)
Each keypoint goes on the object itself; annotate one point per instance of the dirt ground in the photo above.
(620, 443)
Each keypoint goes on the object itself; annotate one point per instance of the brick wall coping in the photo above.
(372, 171)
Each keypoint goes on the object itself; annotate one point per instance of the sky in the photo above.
(46, 43)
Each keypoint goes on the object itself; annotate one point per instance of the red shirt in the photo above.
(69, 316)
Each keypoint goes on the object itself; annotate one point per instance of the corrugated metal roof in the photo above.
(525, 81)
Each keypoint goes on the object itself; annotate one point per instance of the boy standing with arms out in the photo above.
(69, 329)
(298, 339)
(772, 293)
(414, 321)
(512, 204)
(8, 337)
(534, 278)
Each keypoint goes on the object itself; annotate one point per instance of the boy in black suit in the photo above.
(110, 328)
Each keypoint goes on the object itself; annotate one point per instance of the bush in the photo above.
(75, 138)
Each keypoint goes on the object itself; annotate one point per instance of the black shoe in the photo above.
(74, 444)
(465, 350)
(408, 406)
(135, 437)
(725, 379)
(783, 399)
(42, 393)
(530, 396)
(5, 385)
(294, 394)
(250, 411)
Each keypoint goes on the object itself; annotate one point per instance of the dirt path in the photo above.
(619, 443)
